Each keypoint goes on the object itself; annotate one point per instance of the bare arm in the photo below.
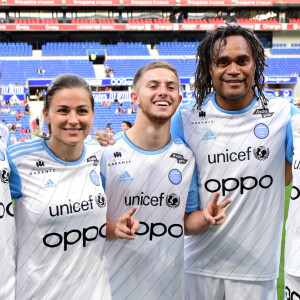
(214, 214)
(288, 173)
(125, 228)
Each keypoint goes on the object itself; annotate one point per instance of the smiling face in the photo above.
(71, 116)
(233, 73)
(157, 95)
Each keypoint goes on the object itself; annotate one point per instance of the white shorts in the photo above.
(292, 287)
(199, 287)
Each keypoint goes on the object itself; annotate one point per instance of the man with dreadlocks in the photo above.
(240, 138)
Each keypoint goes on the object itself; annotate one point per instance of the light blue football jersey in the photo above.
(292, 238)
(158, 183)
(60, 212)
(242, 155)
(7, 224)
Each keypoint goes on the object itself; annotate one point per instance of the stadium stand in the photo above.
(15, 49)
(18, 71)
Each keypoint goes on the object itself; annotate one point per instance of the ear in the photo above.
(210, 67)
(92, 120)
(134, 97)
(46, 116)
(179, 99)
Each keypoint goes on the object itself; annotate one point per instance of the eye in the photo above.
(222, 62)
(83, 111)
(243, 61)
(172, 88)
(62, 110)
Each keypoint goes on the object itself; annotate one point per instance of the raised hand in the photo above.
(127, 225)
(214, 213)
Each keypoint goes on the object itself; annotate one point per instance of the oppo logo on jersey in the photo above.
(160, 229)
(291, 295)
(242, 184)
(74, 236)
(6, 209)
(295, 193)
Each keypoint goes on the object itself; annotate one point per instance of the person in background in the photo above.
(125, 125)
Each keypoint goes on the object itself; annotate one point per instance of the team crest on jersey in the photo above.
(202, 114)
(261, 131)
(100, 200)
(261, 153)
(40, 164)
(264, 112)
(95, 178)
(5, 175)
(94, 159)
(173, 200)
(2, 155)
(175, 176)
(179, 157)
(117, 154)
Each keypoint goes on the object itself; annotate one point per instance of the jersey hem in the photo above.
(232, 277)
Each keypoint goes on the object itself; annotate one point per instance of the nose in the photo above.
(73, 118)
(163, 91)
(233, 68)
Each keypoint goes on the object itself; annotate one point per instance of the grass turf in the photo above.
(280, 280)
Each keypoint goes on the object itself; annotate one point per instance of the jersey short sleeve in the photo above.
(289, 135)
(192, 203)
(7, 224)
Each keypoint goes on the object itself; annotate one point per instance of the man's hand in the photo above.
(214, 213)
(104, 138)
(127, 225)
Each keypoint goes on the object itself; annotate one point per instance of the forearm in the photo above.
(195, 223)
(288, 173)
(111, 230)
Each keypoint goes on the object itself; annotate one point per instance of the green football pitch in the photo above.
(280, 281)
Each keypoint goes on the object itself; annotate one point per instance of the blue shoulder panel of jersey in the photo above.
(90, 141)
(118, 135)
(192, 203)
(178, 140)
(15, 183)
(289, 149)
(24, 148)
(177, 125)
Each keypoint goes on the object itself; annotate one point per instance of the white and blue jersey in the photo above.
(60, 213)
(292, 238)
(242, 155)
(7, 224)
(159, 184)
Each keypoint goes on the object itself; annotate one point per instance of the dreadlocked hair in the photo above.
(204, 58)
